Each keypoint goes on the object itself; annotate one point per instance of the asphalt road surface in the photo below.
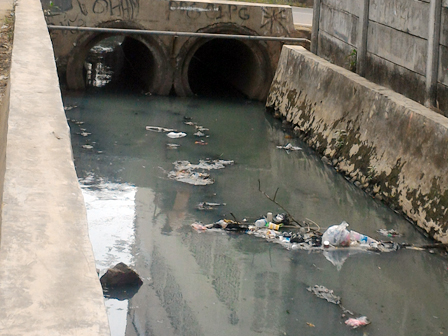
(302, 16)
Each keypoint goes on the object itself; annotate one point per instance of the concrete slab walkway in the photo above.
(48, 281)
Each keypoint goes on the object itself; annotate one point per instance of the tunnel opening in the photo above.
(224, 68)
(119, 62)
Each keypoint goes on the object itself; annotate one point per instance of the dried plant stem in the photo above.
(297, 223)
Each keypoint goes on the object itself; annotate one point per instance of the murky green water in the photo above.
(234, 284)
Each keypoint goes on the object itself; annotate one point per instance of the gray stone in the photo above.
(119, 276)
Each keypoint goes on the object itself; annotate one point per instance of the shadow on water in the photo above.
(216, 283)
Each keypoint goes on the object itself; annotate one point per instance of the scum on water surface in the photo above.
(229, 283)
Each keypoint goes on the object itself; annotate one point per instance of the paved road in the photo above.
(302, 16)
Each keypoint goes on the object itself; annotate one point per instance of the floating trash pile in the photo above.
(289, 147)
(194, 174)
(335, 238)
(207, 206)
(327, 294)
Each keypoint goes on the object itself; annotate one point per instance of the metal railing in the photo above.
(179, 34)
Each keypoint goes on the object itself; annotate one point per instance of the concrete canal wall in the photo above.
(48, 281)
(4, 110)
(6, 7)
(393, 147)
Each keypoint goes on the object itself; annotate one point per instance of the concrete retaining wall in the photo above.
(172, 56)
(396, 44)
(48, 281)
(4, 111)
(387, 144)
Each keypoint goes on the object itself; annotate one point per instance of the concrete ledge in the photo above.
(48, 281)
(391, 146)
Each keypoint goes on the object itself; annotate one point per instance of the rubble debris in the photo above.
(389, 233)
(325, 293)
(68, 108)
(289, 147)
(199, 134)
(120, 275)
(208, 205)
(159, 129)
(186, 172)
(172, 146)
(189, 177)
(357, 322)
(176, 135)
(223, 224)
(199, 227)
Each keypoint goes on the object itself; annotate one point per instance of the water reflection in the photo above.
(110, 213)
(221, 284)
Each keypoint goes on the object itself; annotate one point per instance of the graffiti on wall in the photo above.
(274, 19)
(125, 9)
(214, 11)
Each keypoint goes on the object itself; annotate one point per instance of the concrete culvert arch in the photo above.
(143, 60)
(223, 66)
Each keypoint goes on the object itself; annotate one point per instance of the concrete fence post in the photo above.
(315, 27)
(363, 26)
(432, 60)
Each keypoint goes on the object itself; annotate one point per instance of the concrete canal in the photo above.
(216, 283)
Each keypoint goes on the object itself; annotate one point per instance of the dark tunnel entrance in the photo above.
(229, 68)
(120, 63)
(137, 63)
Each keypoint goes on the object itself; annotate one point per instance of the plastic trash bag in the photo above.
(337, 235)
(176, 135)
(357, 322)
(339, 256)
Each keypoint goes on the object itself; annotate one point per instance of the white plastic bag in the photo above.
(337, 235)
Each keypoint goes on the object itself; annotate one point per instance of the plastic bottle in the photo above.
(269, 217)
(273, 226)
(261, 223)
(362, 239)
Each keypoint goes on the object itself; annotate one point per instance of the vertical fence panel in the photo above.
(432, 62)
(315, 27)
(362, 40)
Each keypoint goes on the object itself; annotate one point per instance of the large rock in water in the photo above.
(119, 276)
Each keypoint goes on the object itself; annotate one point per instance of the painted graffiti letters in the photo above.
(274, 20)
(122, 8)
(214, 12)
(100, 6)
(71, 21)
(243, 14)
(83, 8)
(194, 10)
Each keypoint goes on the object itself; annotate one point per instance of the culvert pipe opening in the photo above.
(226, 67)
(121, 62)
